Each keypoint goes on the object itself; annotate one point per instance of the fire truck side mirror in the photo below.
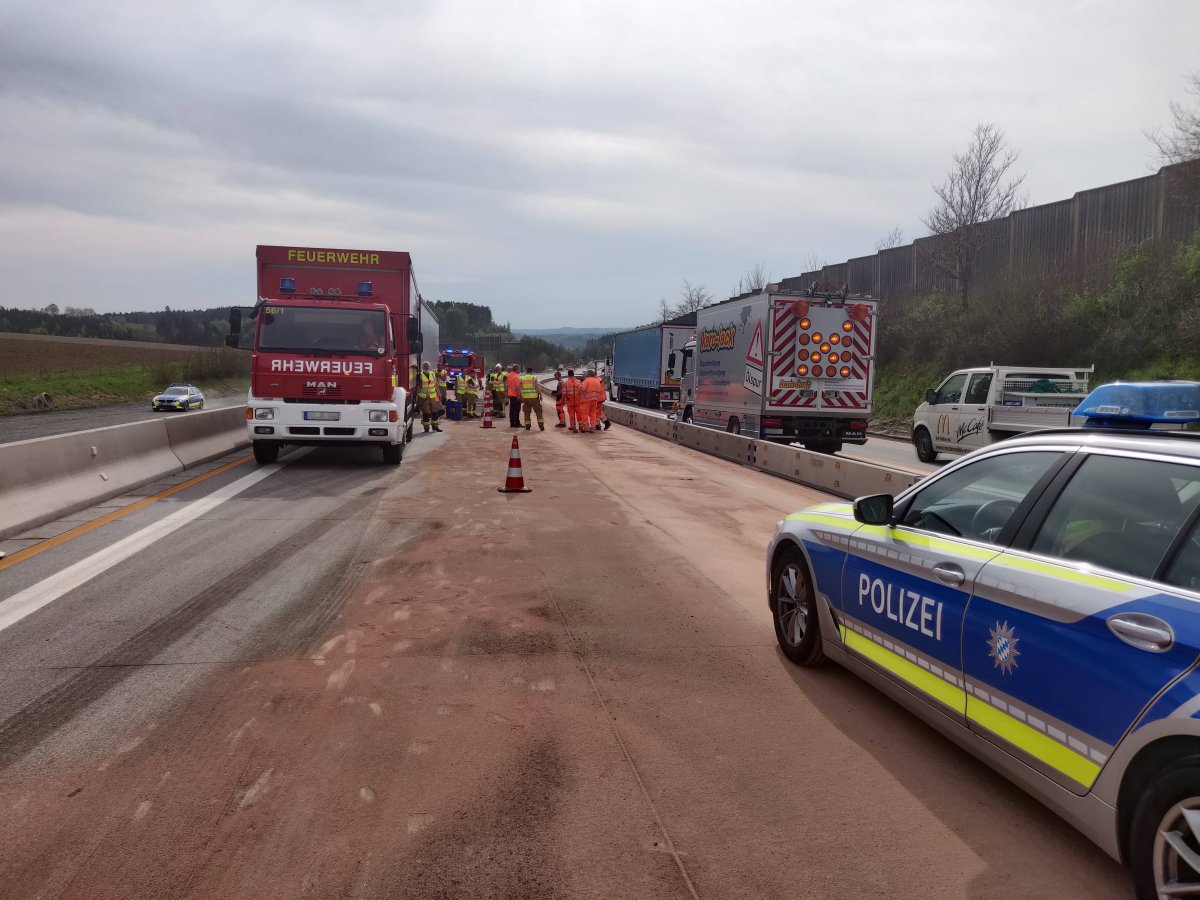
(413, 330)
(235, 328)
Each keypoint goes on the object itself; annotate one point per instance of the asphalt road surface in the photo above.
(330, 678)
(44, 424)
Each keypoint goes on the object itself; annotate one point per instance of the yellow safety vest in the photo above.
(529, 387)
(468, 385)
(441, 378)
(428, 386)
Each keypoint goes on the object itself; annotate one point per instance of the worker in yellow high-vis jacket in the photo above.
(531, 399)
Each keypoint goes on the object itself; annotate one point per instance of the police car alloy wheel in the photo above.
(1165, 834)
(795, 614)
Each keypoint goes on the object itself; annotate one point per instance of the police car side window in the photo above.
(977, 500)
(1121, 513)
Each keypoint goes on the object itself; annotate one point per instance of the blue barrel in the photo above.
(454, 410)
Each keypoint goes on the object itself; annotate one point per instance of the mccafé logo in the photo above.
(718, 338)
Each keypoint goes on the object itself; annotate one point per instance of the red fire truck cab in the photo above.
(338, 340)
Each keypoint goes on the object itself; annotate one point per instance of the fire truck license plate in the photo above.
(312, 416)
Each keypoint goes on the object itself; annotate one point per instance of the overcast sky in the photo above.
(566, 163)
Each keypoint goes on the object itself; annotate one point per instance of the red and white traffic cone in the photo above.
(487, 410)
(515, 482)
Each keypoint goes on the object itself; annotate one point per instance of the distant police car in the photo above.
(1039, 602)
(179, 396)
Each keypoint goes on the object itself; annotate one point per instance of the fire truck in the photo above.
(460, 362)
(338, 342)
(782, 365)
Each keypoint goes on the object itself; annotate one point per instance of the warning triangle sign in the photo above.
(755, 354)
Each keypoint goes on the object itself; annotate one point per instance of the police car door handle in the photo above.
(948, 573)
(1142, 631)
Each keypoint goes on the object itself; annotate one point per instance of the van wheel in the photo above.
(266, 452)
(794, 611)
(1164, 841)
(924, 444)
(734, 426)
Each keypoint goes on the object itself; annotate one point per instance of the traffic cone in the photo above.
(487, 411)
(515, 482)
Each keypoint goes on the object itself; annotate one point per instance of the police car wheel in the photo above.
(924, 444)
(1164, 850)
(795, 611)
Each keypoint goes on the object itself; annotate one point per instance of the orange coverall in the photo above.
(593, 395)
(572, 391)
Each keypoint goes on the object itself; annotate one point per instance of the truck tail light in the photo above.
(393, 416)
(772, 423)
(858, 425)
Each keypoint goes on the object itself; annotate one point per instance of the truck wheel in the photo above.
(266, 452)
(734, 426)
(1162, 842)
(392, 454)
(924, 444)
(794, 610)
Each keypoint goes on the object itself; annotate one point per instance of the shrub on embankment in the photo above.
(1138, 318)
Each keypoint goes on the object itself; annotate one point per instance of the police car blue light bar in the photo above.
(287, 285)
(1141, 404)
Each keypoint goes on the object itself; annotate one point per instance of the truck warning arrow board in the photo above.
(754, 355)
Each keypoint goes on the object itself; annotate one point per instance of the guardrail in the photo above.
(833, 474)
(45, 478)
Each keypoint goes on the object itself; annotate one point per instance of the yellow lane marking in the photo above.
(51, 543)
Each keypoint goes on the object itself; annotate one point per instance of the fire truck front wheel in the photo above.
(392, 454)
(266, 452)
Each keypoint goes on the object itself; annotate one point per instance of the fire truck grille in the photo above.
(327, 392)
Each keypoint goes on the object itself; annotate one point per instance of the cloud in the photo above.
(565, 162)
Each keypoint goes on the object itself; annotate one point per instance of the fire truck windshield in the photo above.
(456, 360)
(324, 330)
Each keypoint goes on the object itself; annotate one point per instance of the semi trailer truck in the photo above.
(639, 372)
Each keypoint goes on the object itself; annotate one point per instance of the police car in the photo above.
(178, 396)
(1038, 601)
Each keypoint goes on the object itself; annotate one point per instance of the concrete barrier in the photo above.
(204, 435)
(46, 478)
(832, 474)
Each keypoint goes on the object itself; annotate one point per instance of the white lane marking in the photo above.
(33, 598)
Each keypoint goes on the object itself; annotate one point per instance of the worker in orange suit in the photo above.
(593, 395)
(572, 393)
(513, 387)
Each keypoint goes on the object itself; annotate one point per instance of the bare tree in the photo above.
(665, 311)
(755, 279)
(814, 262)
(975, 191)
(692, 297)
(1182, 142)
(893, 238)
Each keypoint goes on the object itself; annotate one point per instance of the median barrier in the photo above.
(45, 478)
(207, 434)
(832, 474)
